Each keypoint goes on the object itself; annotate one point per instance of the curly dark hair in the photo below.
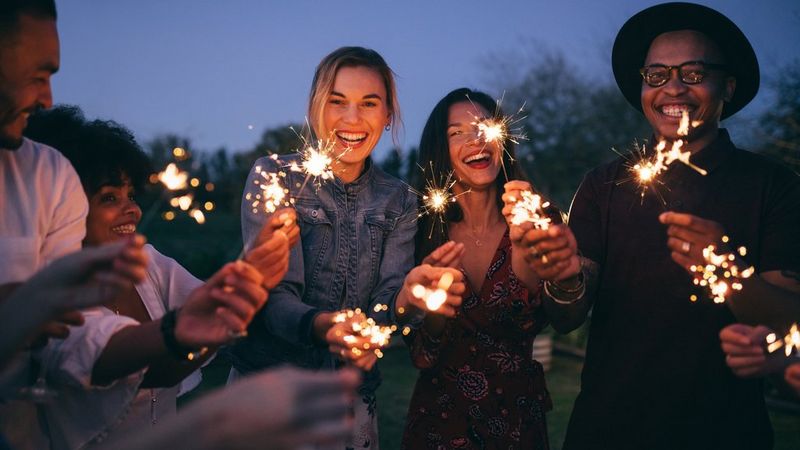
(103, 152)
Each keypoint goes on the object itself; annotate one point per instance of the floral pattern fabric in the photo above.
(479, 387)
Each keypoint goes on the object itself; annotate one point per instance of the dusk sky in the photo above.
(211, 70)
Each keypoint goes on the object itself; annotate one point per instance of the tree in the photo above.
(393, 163)
(780, 124)
(572, 119)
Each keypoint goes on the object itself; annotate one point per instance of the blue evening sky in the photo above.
(212, 70)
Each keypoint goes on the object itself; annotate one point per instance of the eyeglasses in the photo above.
(690, 72)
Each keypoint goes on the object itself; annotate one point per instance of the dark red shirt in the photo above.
(655, 375)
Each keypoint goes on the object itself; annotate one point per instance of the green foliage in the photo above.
(572, 121)
(780, 124)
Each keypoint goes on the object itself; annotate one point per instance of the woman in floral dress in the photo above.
(478, 385)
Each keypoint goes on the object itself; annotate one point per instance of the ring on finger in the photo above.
(686, 247)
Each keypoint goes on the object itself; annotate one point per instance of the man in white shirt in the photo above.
(43, 205)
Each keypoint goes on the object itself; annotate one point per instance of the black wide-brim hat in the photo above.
(634, 39)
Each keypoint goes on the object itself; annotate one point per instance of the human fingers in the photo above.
(691, 222)
(232, 301)
(232, 321)
(746, 366)
(315, 384)
(453, 259)
(292, 233)
(218, 278)
(758, 334)
(54, 329)
(534, 236)
(131, 263)
(517, 186)
(246, 272)
(742, 350)
(682, 260)
(251, 292)
(736, 333)
(366, 361)
(438, 253)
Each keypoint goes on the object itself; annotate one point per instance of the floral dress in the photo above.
(479, 387)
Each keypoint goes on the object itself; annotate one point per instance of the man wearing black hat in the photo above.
(655, 376)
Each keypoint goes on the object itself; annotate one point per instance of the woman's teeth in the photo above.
(353, 138)
(124, 229)
(476, 157)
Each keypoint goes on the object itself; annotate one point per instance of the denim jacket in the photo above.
(356, 247)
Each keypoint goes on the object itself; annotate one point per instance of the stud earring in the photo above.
(388, 127)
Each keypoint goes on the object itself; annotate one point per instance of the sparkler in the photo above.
(316, 162)
(790, 343)
(501, 128)
(530, 208)
(437, 196)
(183, 188)
(720, 274)
(646, 169)
(378, 336)
(434, 298)
(271, 194)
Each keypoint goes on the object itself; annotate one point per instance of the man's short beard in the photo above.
(9, 143)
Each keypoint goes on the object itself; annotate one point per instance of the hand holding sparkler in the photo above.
(270, 252)
(522, 206)
(700, 246)
(744, 350)
(357, 338)
(435, 289)
(688, 235)
(550, 250)
(446, 255)
(751, 351)
(226, 303)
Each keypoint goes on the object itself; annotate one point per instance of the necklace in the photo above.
(478, 238)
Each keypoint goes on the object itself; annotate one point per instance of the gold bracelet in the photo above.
(581, 285)
(579, 293)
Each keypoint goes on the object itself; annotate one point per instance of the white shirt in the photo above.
(84, 415)
(43, 210)
(42, 217)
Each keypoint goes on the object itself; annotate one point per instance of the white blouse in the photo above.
(83, 415)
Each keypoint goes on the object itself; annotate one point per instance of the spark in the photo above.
(316, 161)
(530, 208)
(437, 196)
(198, 216)
(500, 129)
(645, 169)
(173, 178)
(434, 298)
(790, 343)
(720, 275)
(377, 336)
(271, 193)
